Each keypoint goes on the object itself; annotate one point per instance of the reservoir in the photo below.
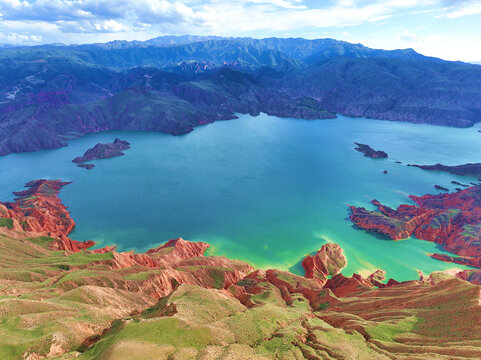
(262, 189)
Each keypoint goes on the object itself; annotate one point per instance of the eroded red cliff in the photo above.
(328, 261)
(39, 210)
(451, 220)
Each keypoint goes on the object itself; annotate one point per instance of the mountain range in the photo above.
(52, 93)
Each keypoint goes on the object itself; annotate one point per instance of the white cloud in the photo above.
(273, 18)
(286, 4)
(91, 26)
(471, 8)
(18, 38)
(107, 15)
(214, 14)
(409, 37)
(82, 21)
(86, 9)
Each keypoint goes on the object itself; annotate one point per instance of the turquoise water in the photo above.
(261, 189)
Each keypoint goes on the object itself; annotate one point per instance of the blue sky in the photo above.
(450, 29)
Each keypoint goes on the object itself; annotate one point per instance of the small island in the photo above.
(369, 151)
(442, 188)
(102, 151)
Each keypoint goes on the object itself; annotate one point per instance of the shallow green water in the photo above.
(261, 189)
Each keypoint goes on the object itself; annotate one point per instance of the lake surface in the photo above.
(261, 189)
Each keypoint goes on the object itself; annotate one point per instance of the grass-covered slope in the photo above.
(53, 301)
(66, 305)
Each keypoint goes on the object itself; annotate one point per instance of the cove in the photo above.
(261, 189)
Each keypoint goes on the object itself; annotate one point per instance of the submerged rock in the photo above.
(86, 166)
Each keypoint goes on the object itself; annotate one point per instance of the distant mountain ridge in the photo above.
(300, 49)
(297, 48)
(52, 93)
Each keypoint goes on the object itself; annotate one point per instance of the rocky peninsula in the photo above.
(451, 220)
(471, 169)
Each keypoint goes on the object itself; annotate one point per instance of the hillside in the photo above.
(60, 300)
(51, 94)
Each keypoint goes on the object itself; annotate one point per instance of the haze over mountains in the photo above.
(52, 93)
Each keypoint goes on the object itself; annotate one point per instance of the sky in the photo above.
(449, 29)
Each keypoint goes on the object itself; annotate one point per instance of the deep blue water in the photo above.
(261, 189)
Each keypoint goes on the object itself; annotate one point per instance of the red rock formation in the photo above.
(280, 286)
(461, 260)
(473, 276)
(39, 210)
(180, 249)
(328, 261)
(451, 220)
(342, 286)
(168, 254)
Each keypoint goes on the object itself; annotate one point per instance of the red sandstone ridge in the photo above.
(328, 261)
(451, 220)
(38, 211)
(279, 286)
(180, 248)
(173, 252)
(177, 262)
(325, 268)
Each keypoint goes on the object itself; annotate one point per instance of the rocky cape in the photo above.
(62, 300)
(472, 169)
(52, 94)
